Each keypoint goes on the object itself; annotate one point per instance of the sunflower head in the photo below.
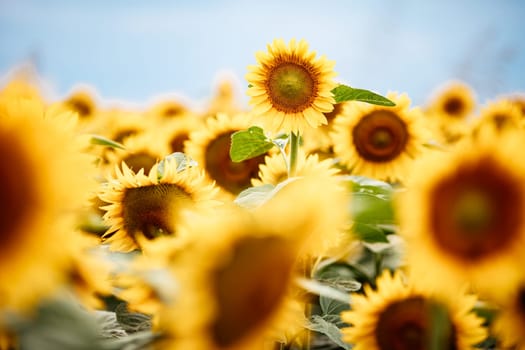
(398, 316)
(466, 215)
(453, 101)
(81, 102)
(291, 89)
(144, 207)
(210, 148)
(379, 142)
(500, 115)
(510, 322)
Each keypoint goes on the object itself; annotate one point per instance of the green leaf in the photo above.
(319, 324)
(368, 185)
(132, 322)
(330, 306)
(249, 143)
(344, 93)
(318, 288)
(371, 209)
(100, 140)
(441, 329)
(253, 197)
(369, 233)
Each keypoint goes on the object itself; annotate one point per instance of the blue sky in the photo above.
(134, 50)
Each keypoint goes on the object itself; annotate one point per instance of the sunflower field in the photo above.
(323, 216)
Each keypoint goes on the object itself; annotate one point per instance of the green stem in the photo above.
(294, 148)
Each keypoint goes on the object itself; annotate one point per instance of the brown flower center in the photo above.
(454, 106)
(177, 142)
(18, 193)
(292, 87)
(83, 108)
(521, 303)
(406, 325)
(231, 176)
(380, 136)
(477, 210)
(330, 116)
(250, 287)
(140, 160)
(152, 210)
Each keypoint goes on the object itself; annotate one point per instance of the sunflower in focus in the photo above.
(463, 220)
(44, 180)
(397, 316)
(274, 169)
(379, 142)
(291, 89)
(143, 208)
(240, 277)
(210, 148)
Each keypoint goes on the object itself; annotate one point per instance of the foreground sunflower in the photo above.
(235, 282)
(464, 220)
(210, 148)
(290, 89)
(144, 207)
(397, 316)
(44, 180)
(379, 142)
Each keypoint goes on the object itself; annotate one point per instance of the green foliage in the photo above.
(321, 325)
(249, 143)
(182, 160)
(102, 141)
(344, 93)
(253, 197)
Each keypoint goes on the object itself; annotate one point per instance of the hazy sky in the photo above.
(134, 50)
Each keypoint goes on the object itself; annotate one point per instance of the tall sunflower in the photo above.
(290, 89)
(210, 148)
(44, 180)
(144, 207)
(236, 282)
(379, 142)
(398, 316)
(464, 220)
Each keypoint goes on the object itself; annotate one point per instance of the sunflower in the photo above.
(449, 111)
(464, 219)
(88, 271)
(236, 282)
(44, 181)
(318, 140)
(141, 152)
(510, 322)
(398, 316)
(500, 115)
(171, 108)
(291, 89)
(210, 148)
(274, 169)
(144, 207)
(379, 142)
(174, 133)
(81, 102)
(224, 99)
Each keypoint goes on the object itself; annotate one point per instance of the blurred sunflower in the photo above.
(464, 219)
(510, 322)
(398, 316)
(499, 115)
(224, 99)
(145, 207)
(118, 124)
(81, 102)
(44, 181)
(379, 142)
(174, 133)
(274, 169)
(291, 89)
(449, 111)
(210, 148)
(169, 109)
(239, 279)
(140, 152)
